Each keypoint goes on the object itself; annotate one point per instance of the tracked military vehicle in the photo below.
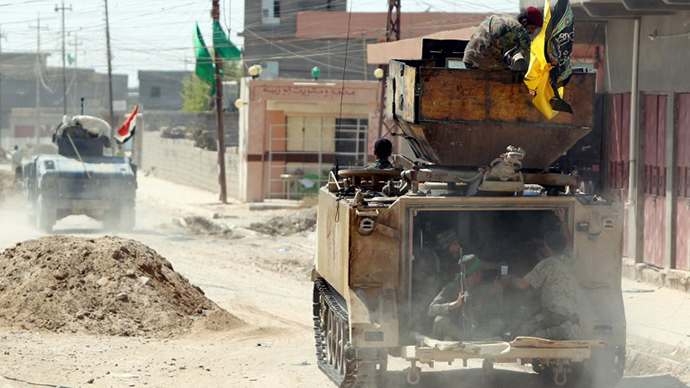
(482, 159)
(81, 179)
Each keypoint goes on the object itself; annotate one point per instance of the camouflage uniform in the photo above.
(430, 273)
(380, 164)
(493, 38)
(464, 323)
(558, 319)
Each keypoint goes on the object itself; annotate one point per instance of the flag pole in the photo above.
(215, 15)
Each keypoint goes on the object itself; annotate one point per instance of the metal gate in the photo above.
(301, 153)
(654, 178)
(619, 153)
(682, 182)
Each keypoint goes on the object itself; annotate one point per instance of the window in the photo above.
(270, 11)
(276, 8)
(271, 69)
(351, 141)
(155, 91)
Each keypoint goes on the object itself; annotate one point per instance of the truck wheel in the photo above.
(45, 215)
(121, 218)
(127, 218)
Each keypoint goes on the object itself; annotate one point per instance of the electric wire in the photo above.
(342, 87)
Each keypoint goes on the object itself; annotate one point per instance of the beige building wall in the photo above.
(283, 121)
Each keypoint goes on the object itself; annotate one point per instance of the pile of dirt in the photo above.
(107, 286)
(303, 221)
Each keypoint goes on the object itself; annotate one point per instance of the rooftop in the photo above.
(334, 25)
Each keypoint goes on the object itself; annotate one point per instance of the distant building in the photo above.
(288, 38)
(161, 90)
(21, 83)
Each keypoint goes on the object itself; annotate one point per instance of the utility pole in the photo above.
(2, 36)
(76, 45)
(110, 75)
(64, 71)
(37, 131)
(392, 34)
(215, 15)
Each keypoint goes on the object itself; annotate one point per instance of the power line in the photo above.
(64, 72)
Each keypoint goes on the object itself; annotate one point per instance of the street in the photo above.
(261, 279)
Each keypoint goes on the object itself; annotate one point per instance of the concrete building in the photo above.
(292, 131)
(289, 38)
(648, 135)
(23, 88)
(161, 90)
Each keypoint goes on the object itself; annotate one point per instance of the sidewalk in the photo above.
(658, 319)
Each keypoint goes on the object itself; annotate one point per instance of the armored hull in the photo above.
(376, 233)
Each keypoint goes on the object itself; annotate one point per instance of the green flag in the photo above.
(204, 62)
(223, 46)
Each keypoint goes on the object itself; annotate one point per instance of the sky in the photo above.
(155, 34)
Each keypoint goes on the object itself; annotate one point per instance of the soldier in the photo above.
(499, 35)
(383, 148)
(16, 158)
(555, 277)
(456, 308)
(432, 269)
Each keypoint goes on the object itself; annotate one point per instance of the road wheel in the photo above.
(45, 215)
(603, 370)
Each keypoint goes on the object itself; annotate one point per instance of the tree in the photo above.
(195, 95)
(232, 70)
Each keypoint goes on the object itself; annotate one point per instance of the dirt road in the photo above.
(261, 279)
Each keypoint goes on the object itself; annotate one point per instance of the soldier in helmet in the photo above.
(433, 268)
(456, 309)
(503, 41)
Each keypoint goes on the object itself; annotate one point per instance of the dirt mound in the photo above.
(303, 221)
(108, 285)
(196, 225)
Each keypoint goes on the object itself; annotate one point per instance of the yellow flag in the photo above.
(537, 77)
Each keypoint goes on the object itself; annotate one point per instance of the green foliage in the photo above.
(232, 70)
(195, 95)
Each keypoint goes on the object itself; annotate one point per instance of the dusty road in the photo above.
(259, 278)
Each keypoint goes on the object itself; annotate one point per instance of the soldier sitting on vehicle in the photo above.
(555, 277)
(456, 309)
(503, 41)
(432, 269)
(383, 148)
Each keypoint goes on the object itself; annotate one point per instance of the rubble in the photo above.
(303, 221)
(197, 225)
(73, 284)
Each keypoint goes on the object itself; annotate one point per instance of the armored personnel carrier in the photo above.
(482, 159)
(80, 179)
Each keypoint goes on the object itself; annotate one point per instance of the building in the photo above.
(645, 55)
(22, 91)
(293, 131)
(289, 38)
(161, 90)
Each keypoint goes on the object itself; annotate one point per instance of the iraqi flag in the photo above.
(126, 131)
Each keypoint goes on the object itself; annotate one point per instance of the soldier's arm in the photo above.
(445, 302)
(523, 42)
(520, 283)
